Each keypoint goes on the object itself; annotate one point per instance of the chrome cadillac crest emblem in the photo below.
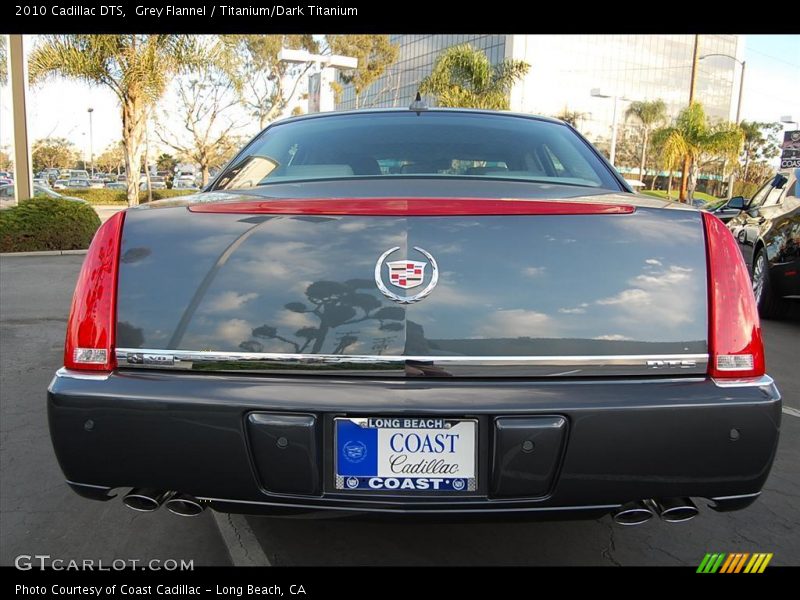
(406, 274)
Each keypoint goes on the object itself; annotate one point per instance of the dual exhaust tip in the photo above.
(671, 510)
(149, 500)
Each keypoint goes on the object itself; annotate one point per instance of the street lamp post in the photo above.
(743, 64)
(90, 110)
(324, 64)
(612, 155)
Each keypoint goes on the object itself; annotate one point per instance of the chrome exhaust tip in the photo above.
(676, 510)
(184, 505)
(633, 513)
(145, 499)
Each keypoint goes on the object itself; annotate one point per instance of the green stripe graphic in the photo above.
(718, 564)
(702, 567)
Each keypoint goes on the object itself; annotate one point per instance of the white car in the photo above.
(184, 184)
(156, 183)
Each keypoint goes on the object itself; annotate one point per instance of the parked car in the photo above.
(117, 185)
(79, 174)
(41, 182)
(61, 184)
(39, 191)
(51, 174)
(156, 183)
(315, 334)
(78, 184)
(97, 184)
(6, 175)
(768, 232)
(725, 210)
(184, 184)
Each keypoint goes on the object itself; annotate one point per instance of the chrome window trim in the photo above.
(550, 366)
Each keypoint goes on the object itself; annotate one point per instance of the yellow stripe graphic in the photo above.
(750, 564)
(741, 562)
(765, 563)
(759, 557)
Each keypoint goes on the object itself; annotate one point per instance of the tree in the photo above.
(53, 153)
(761, 144)
(206, 136)
(464, 77)
(3, 61)
(6, 163)
(650, 114)
(570, 116)
(694, 138)
(112, 158)
(136, 68)
(264, 84)
(375, 53)
(166, 162)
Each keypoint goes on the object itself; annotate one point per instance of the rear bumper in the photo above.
(623, 440)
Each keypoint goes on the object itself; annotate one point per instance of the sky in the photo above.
(59, 108)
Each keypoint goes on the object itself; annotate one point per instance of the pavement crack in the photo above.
(238, 535)
(608, 551)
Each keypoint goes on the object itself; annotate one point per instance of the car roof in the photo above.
(474, 111)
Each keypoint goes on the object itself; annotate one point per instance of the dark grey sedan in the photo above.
(416, 312)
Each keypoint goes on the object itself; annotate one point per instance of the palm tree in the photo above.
(693, 137)
(649, 114)
(464, 77)
(137, 68)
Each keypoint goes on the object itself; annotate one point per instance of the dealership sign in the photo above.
(790, 150)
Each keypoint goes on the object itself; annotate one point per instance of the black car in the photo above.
(768, 231)
(725, 210)
(416, 312)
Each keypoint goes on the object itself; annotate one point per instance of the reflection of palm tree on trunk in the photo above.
(334, 305)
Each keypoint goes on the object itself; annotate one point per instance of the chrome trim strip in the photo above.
(89, 485)
(68, 374)
(740, 496)
(482, 508)
(411, 366)
(764, 380)
(314, 359)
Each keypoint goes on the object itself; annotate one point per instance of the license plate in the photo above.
(406, 454)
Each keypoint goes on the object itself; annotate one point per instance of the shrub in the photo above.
(106, 196)
(47, 224)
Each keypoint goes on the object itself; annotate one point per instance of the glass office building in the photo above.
(565, 68)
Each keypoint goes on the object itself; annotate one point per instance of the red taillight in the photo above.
(92, 319)
(734, 339)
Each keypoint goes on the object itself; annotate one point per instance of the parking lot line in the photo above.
(788, 410)
(241, 542)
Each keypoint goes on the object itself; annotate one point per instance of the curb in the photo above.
(44, 253)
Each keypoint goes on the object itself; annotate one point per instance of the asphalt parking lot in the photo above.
(40, 515)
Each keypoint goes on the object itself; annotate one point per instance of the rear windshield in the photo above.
(405, 144)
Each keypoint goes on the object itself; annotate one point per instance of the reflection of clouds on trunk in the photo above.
(516, 323)
(339, 311)
(653, 227)
(228, 301)
(657, 299)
